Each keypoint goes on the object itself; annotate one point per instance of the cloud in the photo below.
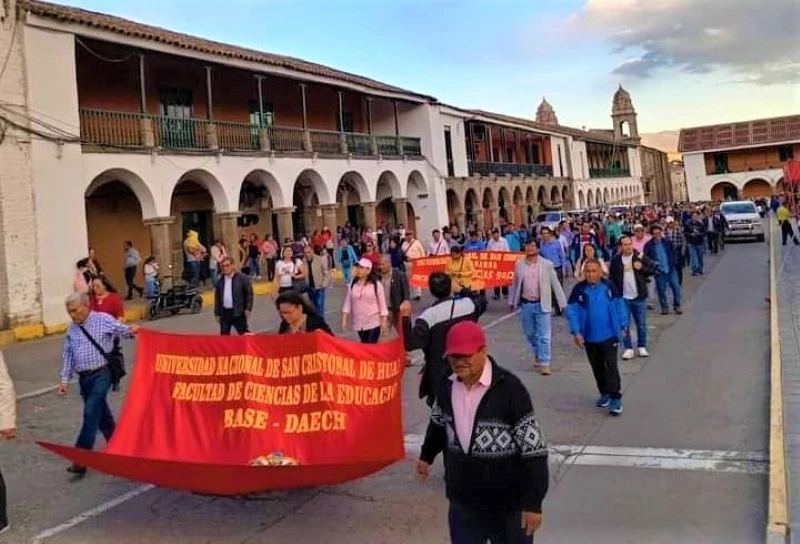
(754, 39)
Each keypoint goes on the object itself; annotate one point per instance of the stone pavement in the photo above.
(788, 280)
(684, 463)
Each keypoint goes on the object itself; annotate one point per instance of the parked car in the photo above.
(744, 220)
(551, 219)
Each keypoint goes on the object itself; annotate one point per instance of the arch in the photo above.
(555, 196)
(309, 190)
(564, 195)
(114, 204)
(210, 183)
(590, 200)
(133, 182)
(504, 204)
(581, 201)
(259, 194)
(756, 188)
(472, 207)
(488, 200)
(517, 206)
(724, 190)
(597, 197)
(262, 178)
(454, 210)
(606, 198)
(517, 197)
(529, 195)
(417, 182)
(541, 196)
(388, 186)
(352, 189)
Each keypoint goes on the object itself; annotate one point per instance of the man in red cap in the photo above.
(495, 456)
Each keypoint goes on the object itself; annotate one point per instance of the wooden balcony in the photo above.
(609, 173)
(121, 130)
(511, 169)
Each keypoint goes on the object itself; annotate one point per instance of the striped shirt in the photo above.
(79, 353)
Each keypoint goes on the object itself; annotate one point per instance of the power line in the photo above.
(101, 57)
(10, 49)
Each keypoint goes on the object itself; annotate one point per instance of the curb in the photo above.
(777, 513)
(24, 333)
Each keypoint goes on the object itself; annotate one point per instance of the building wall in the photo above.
(750, 160)
(618, 190)
(579, 159)
(559, 157)
(701, 186)
(458, 136)
(19, 260)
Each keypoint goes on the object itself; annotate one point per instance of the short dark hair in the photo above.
(592, 261)
(440, 285)
(654, 227)
(295, 299)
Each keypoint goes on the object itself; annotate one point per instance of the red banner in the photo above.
(492, 268)
(246, 414)
(791, 173)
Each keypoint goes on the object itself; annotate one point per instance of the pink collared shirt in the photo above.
(465, 404)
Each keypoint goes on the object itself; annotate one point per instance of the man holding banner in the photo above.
(412, 249)
(495, 455)
(498, 243)
(535, 282)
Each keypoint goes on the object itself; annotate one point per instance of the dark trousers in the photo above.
(681, 263)
(130, 273)
(560, 274)
(713, 242)
(97, 414)
(270, 269)
(603, 359)
(370, 336)
(471, 526)
(787, 231)
(498, 290)
(227, 321)
(3, 508)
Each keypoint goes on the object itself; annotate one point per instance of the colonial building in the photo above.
(112, 130)
(678, 181)
(738, 160)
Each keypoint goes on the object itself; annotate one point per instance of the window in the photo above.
(786, 153)
(347, 123)
(720, 163)
(255, 114)
(176, 103)
(478, 133)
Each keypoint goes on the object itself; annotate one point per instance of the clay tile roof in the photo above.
(743, 134)
(119, 25)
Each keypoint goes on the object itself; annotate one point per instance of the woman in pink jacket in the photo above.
(366, 301)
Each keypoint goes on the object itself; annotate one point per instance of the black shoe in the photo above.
(664, 312)
(76, 470)
(678, 311)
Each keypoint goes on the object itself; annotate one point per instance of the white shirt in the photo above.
(439, 248)
(629, 290)
(227, 292)
(285, 271)
(501, 244)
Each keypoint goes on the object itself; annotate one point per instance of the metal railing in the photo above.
(506, 168)
(111, 128)
(609, 173)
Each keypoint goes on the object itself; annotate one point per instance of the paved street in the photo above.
(684, 463)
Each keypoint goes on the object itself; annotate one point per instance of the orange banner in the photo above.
(492, 268)
(237, 415)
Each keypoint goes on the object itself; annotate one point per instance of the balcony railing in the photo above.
(122, 129)
(609, 173)
(503, 168)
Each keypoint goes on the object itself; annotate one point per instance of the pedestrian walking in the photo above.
(629, 272)
(695, 233)
(495, 455)
(497, 243)
(674, 233)
(89, 339)
(535, 282)
(297, 316)
(784, 217)
(395, 286)
(233, 300)
(660, 250)
(132, 260)
(412, 249)
(598, 319)
(366, 301)
(8, 431)
(552, 250)
(430, 329)
(318, 277)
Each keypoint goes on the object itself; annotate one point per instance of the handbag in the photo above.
(115, 359)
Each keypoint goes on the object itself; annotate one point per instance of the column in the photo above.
(306, 133)
(145, 123)
(489, 140)
(285, 225)
(342, 136)
(160, 242)
(229, 233)
(401, 211)
(212, 142)
(330, 216)
(370, 218)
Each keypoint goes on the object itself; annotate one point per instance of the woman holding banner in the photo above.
(297, 316)
(366, 301)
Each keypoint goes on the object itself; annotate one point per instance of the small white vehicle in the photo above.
(551, 219)
(744, 220)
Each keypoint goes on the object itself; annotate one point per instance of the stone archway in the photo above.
(581, 201)
(590, 200)
(555, 197)
(455, 213)
(606, 199)
(416, 193)
(308, 194)
(517, 208)
(488, 205)
(391, 210)
(541, 198)
(116, 202)
(259, 196)
(724, 190)
(564, 196)
(598, 198)
(351, 194)
(757, 188)
(504, 204)
(472, 209)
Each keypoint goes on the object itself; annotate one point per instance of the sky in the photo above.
(685, 62)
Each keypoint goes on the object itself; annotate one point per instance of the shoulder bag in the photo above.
(115, 359)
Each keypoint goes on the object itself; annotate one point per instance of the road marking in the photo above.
(89, 514)
(106, 506)
(737, 462)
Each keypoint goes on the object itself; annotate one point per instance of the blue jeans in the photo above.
(96, 412)
(252, 262)
(638, 311)
(215, 276)
(317, 297)
(194, 272)
(670, 280)
(347, 272)
(471, 526)
(150, 287)
(537, 327)
(696, 258)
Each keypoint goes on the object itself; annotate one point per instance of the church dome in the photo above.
(622, 101)
(545, 113)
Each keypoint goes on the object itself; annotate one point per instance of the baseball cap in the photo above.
(638, 226)
(464, 338)
(670, 219)
(365, 263)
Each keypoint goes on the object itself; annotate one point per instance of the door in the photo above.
(448, 150)
(176, 126)
(201, 223)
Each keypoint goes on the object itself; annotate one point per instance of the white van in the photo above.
(743, 219)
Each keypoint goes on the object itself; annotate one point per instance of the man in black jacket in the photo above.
(495, 455)
(630, 272)
(395, 285)
(233, 300)
(430, 330)
(695, 232)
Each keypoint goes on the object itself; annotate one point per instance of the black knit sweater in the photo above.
(505, 469)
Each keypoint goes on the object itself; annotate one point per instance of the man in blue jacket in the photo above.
(661, 250)
(598, 320)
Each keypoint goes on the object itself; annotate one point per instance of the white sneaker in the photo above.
(627, 354)
(6, 528)
(643, 352)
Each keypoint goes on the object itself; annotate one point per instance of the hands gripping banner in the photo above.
(247, 414)
(492, 268)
